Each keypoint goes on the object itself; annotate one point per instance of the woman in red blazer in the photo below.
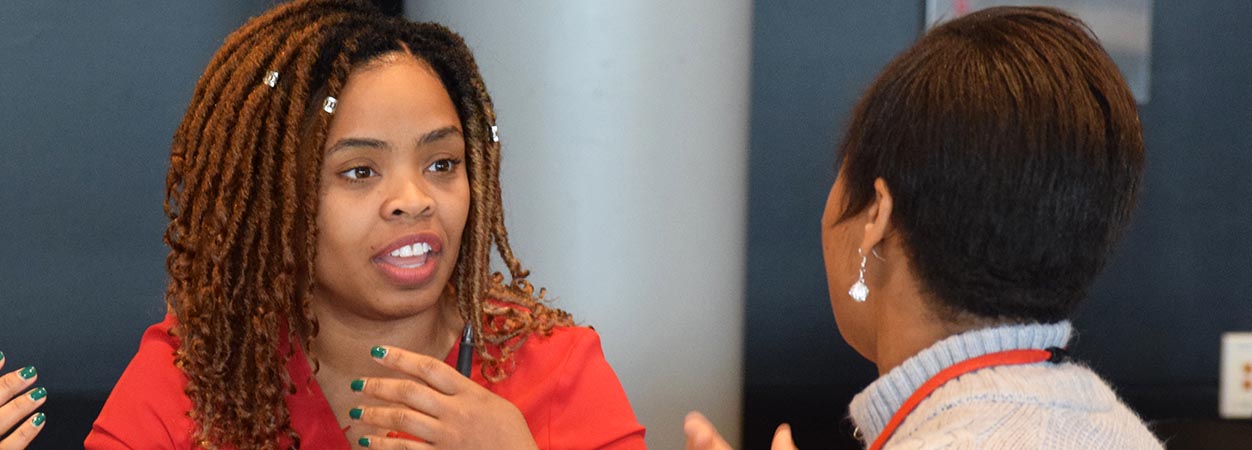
(334, 200)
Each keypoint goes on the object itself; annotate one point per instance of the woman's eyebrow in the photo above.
(347, 143)
(437, 134)
(358, 142)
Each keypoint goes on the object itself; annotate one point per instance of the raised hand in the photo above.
(702, 435)
(17, 411)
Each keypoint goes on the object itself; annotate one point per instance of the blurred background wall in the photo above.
(616, 120)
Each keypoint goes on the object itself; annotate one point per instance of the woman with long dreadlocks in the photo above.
(334, 199)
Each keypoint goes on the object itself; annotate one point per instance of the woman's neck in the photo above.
(906, 340)
(344, 339)
(340, 352)
(910, 324)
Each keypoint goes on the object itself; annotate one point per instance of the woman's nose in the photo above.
(407, 198)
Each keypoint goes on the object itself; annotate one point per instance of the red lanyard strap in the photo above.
(1006, 358)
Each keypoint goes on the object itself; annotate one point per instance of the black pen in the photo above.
(465, 357)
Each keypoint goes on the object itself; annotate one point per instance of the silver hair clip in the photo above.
(329, 105)
(271, 79)
(495, 133)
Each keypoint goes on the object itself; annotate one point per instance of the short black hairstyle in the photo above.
(1014, 155)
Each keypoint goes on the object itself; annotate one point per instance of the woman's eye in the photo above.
(443, 165)
(359, 173)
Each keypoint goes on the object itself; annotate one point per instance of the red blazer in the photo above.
(562, 384)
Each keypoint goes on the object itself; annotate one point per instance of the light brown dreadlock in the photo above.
(241, 196)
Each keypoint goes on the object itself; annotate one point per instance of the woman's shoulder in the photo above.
(568, 335)
(548, 364)
(147, 407)
(154, 360)
(1057, 406)
(562, 346)
(565, 364)
(569, 393)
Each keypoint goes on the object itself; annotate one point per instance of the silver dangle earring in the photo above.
(859, 290)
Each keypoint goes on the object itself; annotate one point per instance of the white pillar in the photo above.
(625, 130)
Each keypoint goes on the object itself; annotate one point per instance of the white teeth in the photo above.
(408, 251)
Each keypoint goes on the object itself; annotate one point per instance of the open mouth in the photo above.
(410, 256)
(409, 261)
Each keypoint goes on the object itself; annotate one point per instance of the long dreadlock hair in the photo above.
(241, 197)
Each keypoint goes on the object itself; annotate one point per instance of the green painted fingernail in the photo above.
(358, 385)
(38, 393)
(28, 372)
(38, 420)
(1, 356)
(365, 442)
(355, 413)
(378, 352)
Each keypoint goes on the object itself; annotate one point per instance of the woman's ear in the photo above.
(878, 217)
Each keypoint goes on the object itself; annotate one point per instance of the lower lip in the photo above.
(408, 277)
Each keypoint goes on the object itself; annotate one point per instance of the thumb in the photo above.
(782, 439)
(701, 435)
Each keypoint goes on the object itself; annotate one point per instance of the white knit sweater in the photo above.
(1034, 406)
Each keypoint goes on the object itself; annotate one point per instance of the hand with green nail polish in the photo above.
(435, 403)
(18, 419)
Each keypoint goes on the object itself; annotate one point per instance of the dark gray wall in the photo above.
(1152, 325)
(90, 94)
(811, 61)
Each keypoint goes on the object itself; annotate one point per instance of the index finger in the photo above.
(434, 372)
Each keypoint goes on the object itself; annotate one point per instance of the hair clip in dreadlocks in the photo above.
(495, 133)
(329, 105)
(271, 78)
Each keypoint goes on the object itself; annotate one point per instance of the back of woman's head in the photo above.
(242, 197)
(1013, 152)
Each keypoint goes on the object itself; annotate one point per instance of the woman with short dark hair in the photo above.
(984, 178)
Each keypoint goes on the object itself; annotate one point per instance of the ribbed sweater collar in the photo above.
(873, 407)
